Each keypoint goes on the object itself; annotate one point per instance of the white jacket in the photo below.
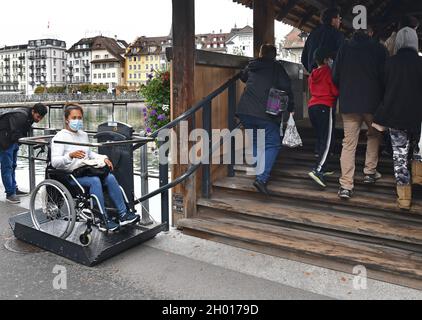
(60, 153)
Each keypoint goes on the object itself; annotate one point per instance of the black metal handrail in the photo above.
(206, 106)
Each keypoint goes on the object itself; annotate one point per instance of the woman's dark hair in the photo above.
(40, 108)
(70, 107)
(329, 14)
(268, 51)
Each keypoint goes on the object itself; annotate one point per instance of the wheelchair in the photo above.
(60, 202)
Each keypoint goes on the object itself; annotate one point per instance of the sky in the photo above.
(72, 20)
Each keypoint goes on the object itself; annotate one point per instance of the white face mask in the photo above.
(76, 125)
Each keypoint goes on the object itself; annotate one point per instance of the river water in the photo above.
(93, 116)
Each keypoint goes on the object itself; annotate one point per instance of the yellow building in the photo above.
(143, 58)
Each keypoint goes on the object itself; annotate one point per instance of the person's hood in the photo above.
(320, 74)
(261, 64)
(407, 38)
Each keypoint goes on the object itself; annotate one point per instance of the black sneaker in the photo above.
(13, 199)
(318, 177)
(20, 193)
(129, 218)
(372, 178)
(345, 194)
(261, 187)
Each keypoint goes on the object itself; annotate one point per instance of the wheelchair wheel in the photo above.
(53, 209)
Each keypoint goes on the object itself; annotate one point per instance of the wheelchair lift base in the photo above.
(103, 246)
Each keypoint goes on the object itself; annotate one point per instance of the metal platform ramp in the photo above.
(104, 246)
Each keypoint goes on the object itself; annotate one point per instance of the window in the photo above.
(95, 76)
(104, 65)
(54, 70)
(130, 67)
(108, 75)
(111, 65)
(62, 63)
(146, 66)
(134, 59)
(76, 62)
(106, 56)
(97, 56)
(139, 67)
(99, 76)
(77, 70)
(130, 76)
(114, 75)
(104, 75)
(97, 66)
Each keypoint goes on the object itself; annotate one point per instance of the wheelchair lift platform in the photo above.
(104, 245)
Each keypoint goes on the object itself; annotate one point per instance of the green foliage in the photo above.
(157, 95)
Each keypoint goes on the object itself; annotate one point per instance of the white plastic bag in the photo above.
(291, 136)
(420, 146)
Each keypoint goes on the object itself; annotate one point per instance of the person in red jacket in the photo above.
(322, 112)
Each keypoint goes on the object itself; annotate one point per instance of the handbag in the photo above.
(91, 171)
(292, 138)
(278, 100)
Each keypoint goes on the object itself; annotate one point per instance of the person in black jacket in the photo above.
(14, 125)
(401, 111)
(358, 73)
(326, 36)
(260, 76)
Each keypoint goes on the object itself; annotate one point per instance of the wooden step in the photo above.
(298, 172)
(273, 212)
(296, 191)
(383, 263)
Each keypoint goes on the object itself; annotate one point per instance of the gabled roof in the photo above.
(116, 47)
(144, 45)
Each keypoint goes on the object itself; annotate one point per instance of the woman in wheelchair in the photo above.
(70, 158)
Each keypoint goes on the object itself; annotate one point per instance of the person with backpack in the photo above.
(14, 125)
(321, 112)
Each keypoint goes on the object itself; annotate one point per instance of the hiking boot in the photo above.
(318, 177)
(261, 187)
(128, 218)
(13, 199)
(20, 193)
(372, 178)
(345, 194)
(404, 197)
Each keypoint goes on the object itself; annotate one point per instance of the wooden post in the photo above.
(263, 24)
(182, 88)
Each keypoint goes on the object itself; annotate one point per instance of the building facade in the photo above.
(79, 57)
(240, 42)
(13, 67)
(145, 56)
(46, 63)
(108, 61)
(212, 41)
(292, 47)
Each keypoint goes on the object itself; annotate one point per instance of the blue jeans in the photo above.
(272, 143)
(8, 160)
(96, 188)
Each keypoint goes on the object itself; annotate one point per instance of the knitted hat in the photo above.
(407, 38)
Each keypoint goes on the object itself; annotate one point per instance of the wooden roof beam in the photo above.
(286, 9)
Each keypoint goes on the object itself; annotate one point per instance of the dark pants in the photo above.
(323, 120)
(272, 143)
